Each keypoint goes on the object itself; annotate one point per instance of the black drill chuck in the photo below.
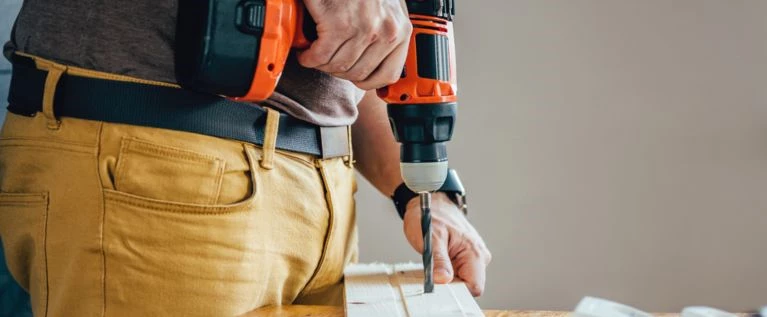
(422, 130)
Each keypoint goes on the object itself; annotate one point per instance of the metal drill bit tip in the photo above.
(428, 263)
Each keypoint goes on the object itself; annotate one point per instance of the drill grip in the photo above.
(429, 73)
(306, 29)
(444, 9)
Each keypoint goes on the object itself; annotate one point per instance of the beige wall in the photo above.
(612, 148)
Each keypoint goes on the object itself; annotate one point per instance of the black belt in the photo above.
(166, 108)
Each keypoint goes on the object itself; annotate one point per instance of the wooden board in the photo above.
(334, 311)
(397, 291)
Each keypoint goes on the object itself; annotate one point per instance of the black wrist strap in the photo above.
(402, 195)
(452, 186)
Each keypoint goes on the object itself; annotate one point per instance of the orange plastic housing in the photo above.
(282, 20)
(412, 89)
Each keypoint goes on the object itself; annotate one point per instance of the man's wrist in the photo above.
(436, 197)
(452, 188)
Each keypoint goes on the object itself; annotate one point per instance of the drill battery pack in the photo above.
(237, 48)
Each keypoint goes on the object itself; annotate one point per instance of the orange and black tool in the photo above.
(422, 104)
(238, 48)
(422, 108)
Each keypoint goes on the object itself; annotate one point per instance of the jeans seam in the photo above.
(320, 165)
(220, 177)
(102, 206)
(45, 252)
(182, 209)
(50, 145)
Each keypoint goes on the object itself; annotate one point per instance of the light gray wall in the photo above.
(14, 301)
(8, 10)
(612, 148)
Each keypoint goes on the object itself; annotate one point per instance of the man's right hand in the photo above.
(363, 41)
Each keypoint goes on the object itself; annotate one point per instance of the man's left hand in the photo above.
(458, 250)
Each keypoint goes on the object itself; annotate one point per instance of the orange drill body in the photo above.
(280, 20)
(412, 88)
(244, 58)
(283, 30)
(423, 103)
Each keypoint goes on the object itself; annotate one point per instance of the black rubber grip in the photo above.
(433, 53)
(422, 130)
(437, 8)
(309, 27)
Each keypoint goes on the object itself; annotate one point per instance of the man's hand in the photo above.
(458, 248)
(363, 41)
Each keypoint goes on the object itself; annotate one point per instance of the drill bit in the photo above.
(428, 263)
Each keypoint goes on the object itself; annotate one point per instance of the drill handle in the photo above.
(429, 74)
(306, 28)
(444, 9)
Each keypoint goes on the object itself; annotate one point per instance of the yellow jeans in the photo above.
(102, 219)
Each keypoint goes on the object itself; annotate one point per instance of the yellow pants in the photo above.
(101, 219)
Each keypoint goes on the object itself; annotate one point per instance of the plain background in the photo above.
(611, 148)
(8, 10)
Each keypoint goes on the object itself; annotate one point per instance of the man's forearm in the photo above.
(375, 150)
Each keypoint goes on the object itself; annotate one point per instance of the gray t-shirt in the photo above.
(136, 38)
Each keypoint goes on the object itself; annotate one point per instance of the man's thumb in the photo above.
(443, 268)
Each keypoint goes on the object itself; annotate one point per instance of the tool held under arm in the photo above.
(238, 48)
(422, 108)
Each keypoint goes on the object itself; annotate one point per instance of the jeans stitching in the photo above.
(45, 252)
(331, 221)
(46, 144)
(102, 206)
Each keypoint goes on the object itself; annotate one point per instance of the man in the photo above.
(99, 217)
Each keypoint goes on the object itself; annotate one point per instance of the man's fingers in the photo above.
(356, 40)
(457, 249)
(386, 73)
(348, 54)
(470, 264)
(322, 50)
(371, 59)
(443, 267)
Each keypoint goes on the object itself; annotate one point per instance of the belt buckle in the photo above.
(334, 141)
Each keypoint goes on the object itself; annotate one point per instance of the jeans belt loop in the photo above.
(270, 138)
(51, 82)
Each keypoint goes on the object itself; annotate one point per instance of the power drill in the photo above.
(422, 107)
(238, 48)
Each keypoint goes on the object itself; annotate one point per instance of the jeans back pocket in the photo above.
(23, 231)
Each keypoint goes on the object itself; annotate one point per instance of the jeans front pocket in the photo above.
(171, 258)
(23, 231)
(168, 173)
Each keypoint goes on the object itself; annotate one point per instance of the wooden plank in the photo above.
(369, 291)
(397, 290)
(334, 311)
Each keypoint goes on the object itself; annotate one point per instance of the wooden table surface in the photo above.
(333, 311)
